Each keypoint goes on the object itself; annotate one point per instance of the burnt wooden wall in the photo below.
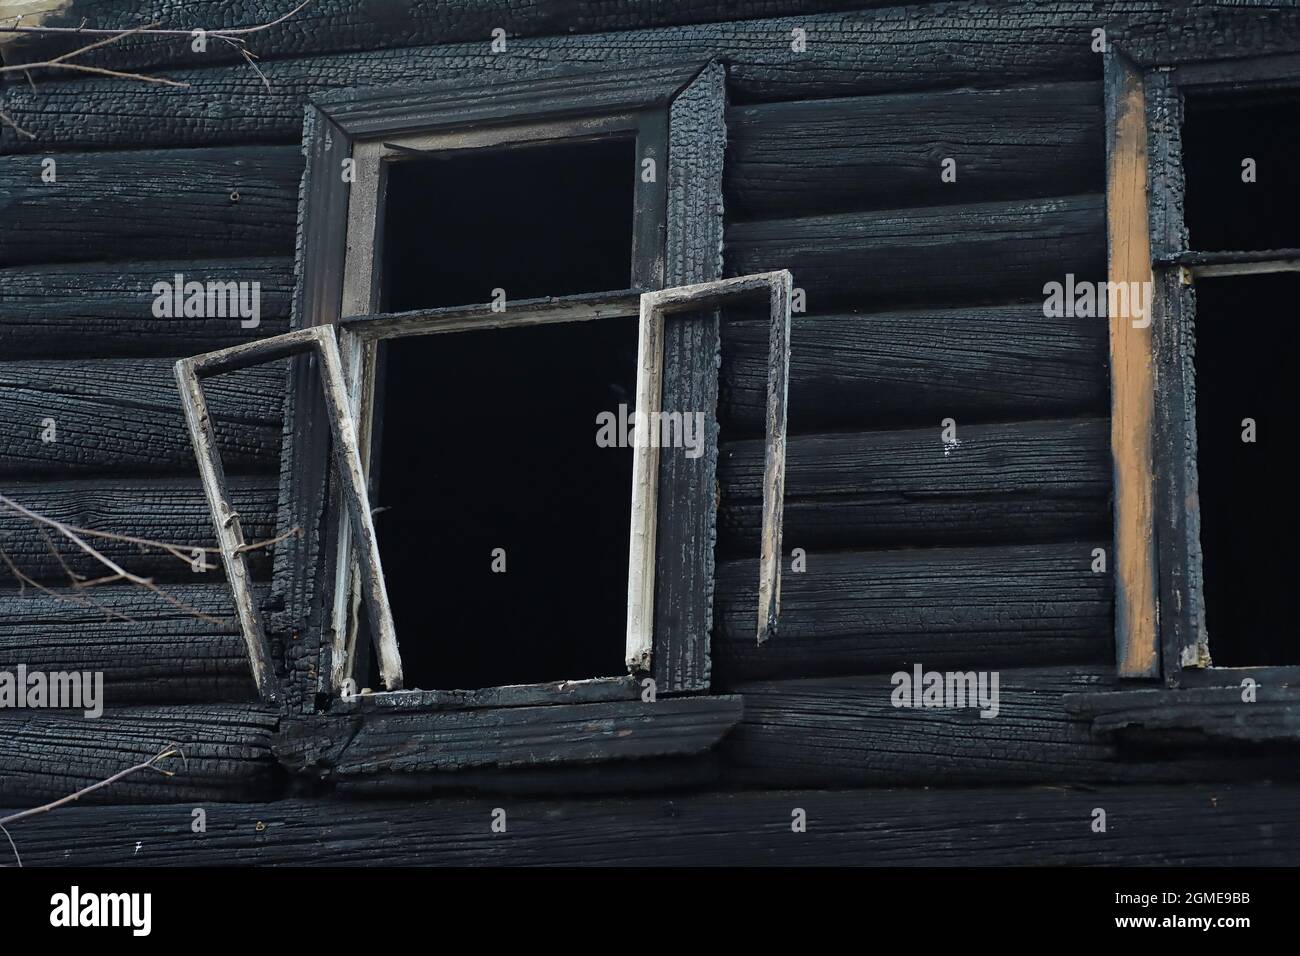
(924, 303)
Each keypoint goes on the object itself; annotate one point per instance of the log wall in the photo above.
(923, 303)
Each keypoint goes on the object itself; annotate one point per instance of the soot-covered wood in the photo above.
(917, 367)
(98, 310)
(47, 754)
(1016, 482)
(863, 611)
(149, 204)
(170, 510)
(1237, 823)
(331, 26)
(329, 747)
(994, 251)
(878, 152)
(969, 43)
(844, 731)
(124, 417)
(148, 650)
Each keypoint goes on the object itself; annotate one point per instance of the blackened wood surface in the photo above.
(887, 50)
(687, 491)
(1204, 32)
(882, 152)
(1237, 823)
(844, 731)
(889, 369)
(1020, 482)
(863, 611)
(45, 754)
(328, 26)
(149, 204)
(992, 251)
(101, 310)
(159, 652)
(124, 417)
(170, 510)
(1220, 715)
(331, 747)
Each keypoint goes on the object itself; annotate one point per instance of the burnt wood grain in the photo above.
(329, 747)
(687, 498)
(122, 417)
(49, 754)
(170, 510)
(1237, 823)
(1199, 715)
(333, 26)
(977, 252)
(882, 51)
(147, 649)
(917, 367)
(1015, 482)
(102, 310)
(844, 731)
(881, 152)
(873, 611)
(172, 203)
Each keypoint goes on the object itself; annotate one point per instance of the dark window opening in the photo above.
(535, 221)
(488, 440)
(1223, 212)
(1247, 356)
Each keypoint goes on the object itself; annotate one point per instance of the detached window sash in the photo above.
(655, 309)
(319, 342)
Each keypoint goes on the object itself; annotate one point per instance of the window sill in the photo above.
(341, 746)
(1194, 716)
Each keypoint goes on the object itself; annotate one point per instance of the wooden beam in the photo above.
(983, 43)
(816, 156)
(1133, 387)
(1234, 824)
(383, 742)
(100, 311)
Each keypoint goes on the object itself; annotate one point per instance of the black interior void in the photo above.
(534, 221)
(1247, 356)
(486, 440)
(1223, 212)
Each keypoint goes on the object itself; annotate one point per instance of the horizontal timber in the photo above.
(978, 252)
(886, 369)
(865, 611)
(1238, 823)
(879, 152)
(179, 203)
(968, 43)
(123, 416)
(97, 310)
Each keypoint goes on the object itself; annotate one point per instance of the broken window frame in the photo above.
(320, 343)
(676, 113)
(1159, 621)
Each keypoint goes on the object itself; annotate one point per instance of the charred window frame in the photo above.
(676, 116)
(1160, 624)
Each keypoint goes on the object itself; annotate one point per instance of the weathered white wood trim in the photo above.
(320, 341)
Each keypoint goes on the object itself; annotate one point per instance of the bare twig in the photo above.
(8, 121)
(233, 36)
(231, 33)
(80, 583)
(170, 750)
(11, 845)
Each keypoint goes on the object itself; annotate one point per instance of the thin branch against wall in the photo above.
(171, 750)
(189, 554)
(68, 62)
